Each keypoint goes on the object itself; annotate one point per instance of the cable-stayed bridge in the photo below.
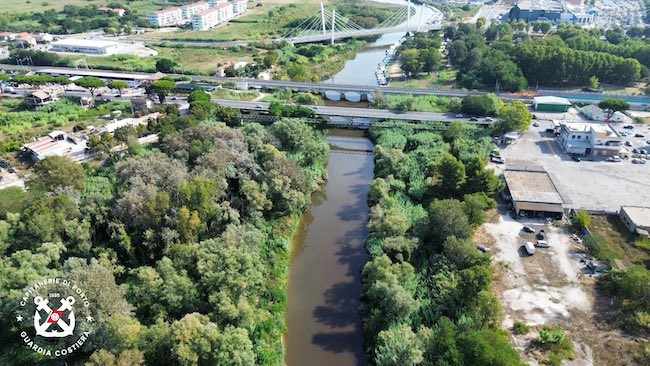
(327, 25)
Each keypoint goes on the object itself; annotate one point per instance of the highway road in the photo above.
(577, 97)
(325, 111)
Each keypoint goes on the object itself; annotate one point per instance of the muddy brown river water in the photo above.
(323, 319)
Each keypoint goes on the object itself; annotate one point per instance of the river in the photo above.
(361, 69)
(328, 253)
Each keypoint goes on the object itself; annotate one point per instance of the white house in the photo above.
(239, 6)
(594, 113)
(205, 19)
(166, 17)
(189, 10)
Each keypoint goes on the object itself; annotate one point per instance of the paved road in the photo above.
(576, 97)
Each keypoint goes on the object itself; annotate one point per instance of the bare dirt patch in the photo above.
(551, 288)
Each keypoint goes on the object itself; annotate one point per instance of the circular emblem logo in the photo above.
(54, 316)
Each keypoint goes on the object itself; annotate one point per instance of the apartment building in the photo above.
(239, 6)
(189, 10)
(225, 12)
(205, 19)
(166, 17)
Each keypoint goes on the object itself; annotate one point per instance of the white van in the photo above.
(530, 248)
(542, 244)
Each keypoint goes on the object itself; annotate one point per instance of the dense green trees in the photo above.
(426, 285)
(571, 58)
(481, 105)
(183, 248)
(513, 116)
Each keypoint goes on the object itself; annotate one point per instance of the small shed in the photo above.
(551, 104)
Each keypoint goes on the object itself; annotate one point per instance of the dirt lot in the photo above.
(590, 185)
(552, 288)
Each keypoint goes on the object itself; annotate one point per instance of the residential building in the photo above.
(205, 19)
(166, 17)
(532, 191)
(86, 46)
(7, 36)
(57, 143)
(189, 10)
(117, 124)
(117, 11)
(141, 104)
(589, 139)
(637, 219)
(24, 40)
(551, 104)
(42, 97)
(239, 6)
(595, 113)
(225, 12)
(44, 38)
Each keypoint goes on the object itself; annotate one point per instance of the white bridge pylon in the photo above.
(329, 25)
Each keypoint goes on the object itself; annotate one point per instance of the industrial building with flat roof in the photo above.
(532, 190)
(636, 218)
(551, 104)
(89, 46)
(589, 139)
(554, 11)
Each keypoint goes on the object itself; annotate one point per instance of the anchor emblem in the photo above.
(54, 317)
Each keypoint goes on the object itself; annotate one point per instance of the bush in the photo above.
(581, 220)
(557, 344)
(520, 327)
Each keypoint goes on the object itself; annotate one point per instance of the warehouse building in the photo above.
(87, 46)
(532, 191)
(551, 104)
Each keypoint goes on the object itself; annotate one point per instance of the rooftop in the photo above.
(224, 5)
(84, 43)
(640, 216)
(206, 12)
(166, 10)
(540, 5)
(598, 128)
(49, 146)
(531, 183)
(198, 3)
(551, 100)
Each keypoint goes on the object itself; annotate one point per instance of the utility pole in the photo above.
(408, 13)
(322, 16)
(333, 23)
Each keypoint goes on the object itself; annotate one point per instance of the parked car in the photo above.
(639, 135)
(529, 247)
(627, 143)
(473, 119)
(575, 158)
(629, 127)
(489, 119)
(314, 107)
(643, 151)
(636, 151)
(529, 229)
(541, 235)
(482, 249)
(614, 158)
(551, 130)
(459, 116)
(536, 124)
(498, 160)
(542, 244)
(638, 161)
(259, 106)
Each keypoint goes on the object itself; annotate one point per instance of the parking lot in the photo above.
(590, 185)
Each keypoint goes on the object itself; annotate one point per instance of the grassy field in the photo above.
(235, 95)
(35, 6)
(614, 241)
(203, 60)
